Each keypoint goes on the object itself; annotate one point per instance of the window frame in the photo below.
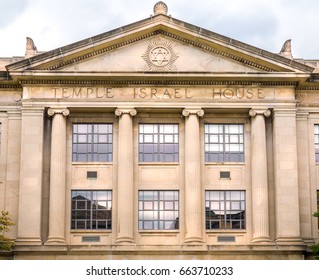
(224, 220)
(89, 221)
(158, 210)
(222, 155)
(159, 149)
(93, 143)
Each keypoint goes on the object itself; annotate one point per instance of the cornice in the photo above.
(307, 88)
(170, 35)
(156, 83)
(10, 86)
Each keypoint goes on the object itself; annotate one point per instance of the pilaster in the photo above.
(13, 168)
(304, 177)
(286, 177)
(193, 197)
(30, 191)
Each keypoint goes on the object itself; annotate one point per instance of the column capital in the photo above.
(64, 111)
(121, 111)
(193, 111)
(255, 112)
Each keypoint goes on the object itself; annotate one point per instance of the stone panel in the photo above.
(159, 176)
(104, 176)
(213, 180)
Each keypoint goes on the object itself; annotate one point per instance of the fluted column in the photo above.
(125, 190)
(259, 175)
(57, 176)
(193, 205)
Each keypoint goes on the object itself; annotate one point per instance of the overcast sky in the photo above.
(265, 24)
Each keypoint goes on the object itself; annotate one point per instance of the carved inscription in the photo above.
(83, 92)
(157, 93)
(163, 93)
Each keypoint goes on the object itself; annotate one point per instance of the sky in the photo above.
(265, 24)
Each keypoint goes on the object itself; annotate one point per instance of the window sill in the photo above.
(158, 232)
(226, 231)
(92, 163)
(90, 231)
(225, 163)
(159, 163)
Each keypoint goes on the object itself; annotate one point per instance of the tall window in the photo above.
(92, 142)
(158, 142)
(91, 209)
(317, 142)
(158, 210)
(224, 143)
(225, 210)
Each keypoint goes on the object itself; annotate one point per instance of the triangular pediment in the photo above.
(158, 53)
(159, 44)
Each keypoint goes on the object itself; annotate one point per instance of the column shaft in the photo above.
(57, 176)
(259, 176)
(125, 191)
(193, 194)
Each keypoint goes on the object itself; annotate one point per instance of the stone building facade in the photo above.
(159, 140)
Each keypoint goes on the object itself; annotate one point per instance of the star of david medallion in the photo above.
(160, 56)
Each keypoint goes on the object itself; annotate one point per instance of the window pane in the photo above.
(158, 137)
(85, 145)
(224, 143)
(162, 210)
(226, 206)
(91, 209)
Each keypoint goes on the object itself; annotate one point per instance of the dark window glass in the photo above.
(92, 142)
(225, 210)
(158, 210)
(158, 143)
(91, 209)
(317, 142)
(224, 143)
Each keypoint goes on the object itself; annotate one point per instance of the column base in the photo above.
(193, 240)
(29, 241)
(125, 240)
(262, 239)
(55, 241)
